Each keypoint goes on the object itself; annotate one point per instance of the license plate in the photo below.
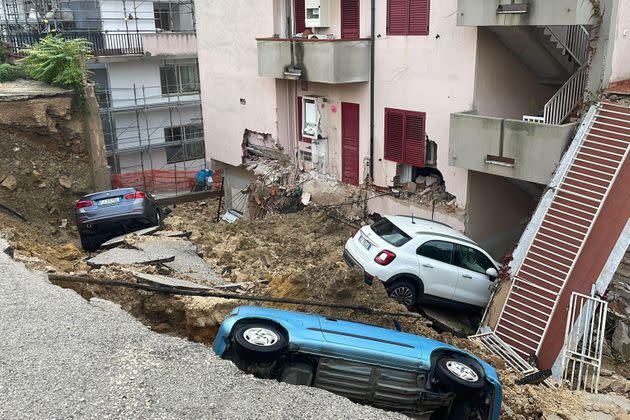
(108, 201)
(366, 244)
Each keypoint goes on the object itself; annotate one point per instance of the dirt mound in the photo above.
(44, 169)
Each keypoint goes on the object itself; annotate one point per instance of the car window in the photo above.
(390, 233)
(438, 250)
(471, 259)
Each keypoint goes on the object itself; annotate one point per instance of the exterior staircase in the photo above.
(587, 190)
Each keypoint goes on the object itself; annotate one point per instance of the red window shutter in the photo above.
(397, 17)
(300, 16)
(394, 134)
(414, 143)
(418, 17)
(350, 19)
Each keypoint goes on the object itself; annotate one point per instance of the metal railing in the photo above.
(560, 106)
(102, 43)
(573, 38)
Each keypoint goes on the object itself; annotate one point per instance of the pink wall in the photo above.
(432, 74)
(621, 35)
(228, 62)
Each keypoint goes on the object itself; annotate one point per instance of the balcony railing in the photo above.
(320, 61)
(103, 43)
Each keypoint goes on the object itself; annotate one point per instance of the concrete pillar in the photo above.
(95, 141)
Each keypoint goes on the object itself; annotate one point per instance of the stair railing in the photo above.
(574, 39)
(558, 108)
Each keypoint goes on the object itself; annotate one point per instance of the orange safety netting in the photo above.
(161, 180)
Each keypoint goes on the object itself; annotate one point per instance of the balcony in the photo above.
(524, 13)
(529, 151)
(320, 61)
(170, 43)
(103, 44)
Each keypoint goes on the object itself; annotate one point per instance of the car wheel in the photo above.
(459, 374)
(257, 341)
(404, 291)
(90, 243)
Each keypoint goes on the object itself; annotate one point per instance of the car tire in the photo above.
(404, 291)
(459, 374)
(90, 243)
(259, 342)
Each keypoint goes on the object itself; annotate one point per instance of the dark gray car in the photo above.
(105, 214)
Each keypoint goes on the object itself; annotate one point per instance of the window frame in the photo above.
(178, 87)
(187, 142)
(406, 157)
(453, 252)
(459, 259)
(409, 31)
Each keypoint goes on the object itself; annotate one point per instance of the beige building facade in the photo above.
(485, 97)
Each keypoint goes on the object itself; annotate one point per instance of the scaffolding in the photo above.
(113, 27)
(170, 140)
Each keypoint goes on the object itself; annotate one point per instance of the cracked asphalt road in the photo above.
(64, 357)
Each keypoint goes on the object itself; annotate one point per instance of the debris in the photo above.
(157, 280)
(9, 182)
(306, 198)
(122, 256)
(231, 216)
(425, 191)
(64, 223)
(119, 240)
(12, 212)
(535, 378)
(431, 180)
(65, 181)
(70, 252)
(172, 234)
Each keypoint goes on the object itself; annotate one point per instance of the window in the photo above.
(407, 17)
(179, 78)
(405, 139)
(473, 260)
(190, 143)
(390, 233)
(162, 16)
(438, 250)
(300, 16)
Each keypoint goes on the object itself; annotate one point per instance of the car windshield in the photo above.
(390, 233)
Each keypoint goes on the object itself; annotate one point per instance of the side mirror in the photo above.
(492, 273)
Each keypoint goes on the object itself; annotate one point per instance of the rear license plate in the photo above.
(108, 201)
(366, 244)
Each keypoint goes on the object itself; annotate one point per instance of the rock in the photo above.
(9, 183)
(410, 186)
(421, 180)
(36, 174)
(621, 339)
(65, 181)
(431, 180)
(69, 252)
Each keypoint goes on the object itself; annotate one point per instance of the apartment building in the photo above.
(483, 93)
(145, 67)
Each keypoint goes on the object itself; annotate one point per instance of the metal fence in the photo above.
(103, 43)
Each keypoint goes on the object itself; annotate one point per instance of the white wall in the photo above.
(226, 34)
(432, 74)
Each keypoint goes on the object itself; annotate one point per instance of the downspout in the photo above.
(372, 61)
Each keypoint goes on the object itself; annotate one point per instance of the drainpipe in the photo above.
(372, 42)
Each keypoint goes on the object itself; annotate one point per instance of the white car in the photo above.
(420, 260)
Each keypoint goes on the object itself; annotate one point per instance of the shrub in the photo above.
(58, 61)
(5, 52)
(8, 72)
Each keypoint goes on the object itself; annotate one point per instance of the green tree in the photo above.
(58, 61)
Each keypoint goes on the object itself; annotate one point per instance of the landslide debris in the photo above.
(44, 169)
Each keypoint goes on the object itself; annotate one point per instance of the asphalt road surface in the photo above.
(64, 357)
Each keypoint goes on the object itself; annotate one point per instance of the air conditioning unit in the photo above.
(314, 117)
(317, 13)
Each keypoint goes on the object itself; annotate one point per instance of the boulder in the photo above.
(621, 339)
(65, 181)
(9, 183)
(431, 180)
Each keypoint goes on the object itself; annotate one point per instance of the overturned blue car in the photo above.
(367, 364)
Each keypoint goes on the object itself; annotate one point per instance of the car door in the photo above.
(473, 284)
(436, 263)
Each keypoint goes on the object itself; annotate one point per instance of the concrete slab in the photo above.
(173, 234)
(158, 280)
(119, 240)
(460, 323)
(123, 256)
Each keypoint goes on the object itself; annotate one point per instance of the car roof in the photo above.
(416, 226)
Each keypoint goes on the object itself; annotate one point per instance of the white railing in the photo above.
(573, 38)
(558, 108)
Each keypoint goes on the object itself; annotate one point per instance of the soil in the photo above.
(41, 148)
